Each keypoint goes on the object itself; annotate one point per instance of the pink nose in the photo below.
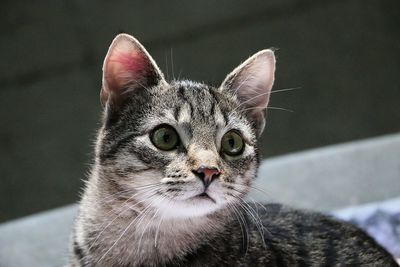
(207, 174)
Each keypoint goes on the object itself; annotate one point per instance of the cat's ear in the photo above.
(127, 67)
(252, 82)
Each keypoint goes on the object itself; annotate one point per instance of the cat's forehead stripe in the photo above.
(199, 102)
(184, 114)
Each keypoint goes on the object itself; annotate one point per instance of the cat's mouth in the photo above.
(204, 196)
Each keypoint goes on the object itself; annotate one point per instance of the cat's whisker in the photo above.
(244, 223)
(256, 188)
(286, 89)
(146, 185)
(142, 219)
(244, 102)
(161, 220)
(269, 107)
(166, 67)
(128, 191)
(255, 202)
(247, 208)
(148, 223)
(114, 196)
(179, 74)
(262, 94)
(249, 100)
(142, 215)
(126, 229)
(248, 77)
(158, 230)
(240, 223)
(120, 212)
(172, 64)
(279, 108)
(131, 197)
(246, 227)
(256, 218)
(109, 196)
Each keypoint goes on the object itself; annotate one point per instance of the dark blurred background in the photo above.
(345, 56)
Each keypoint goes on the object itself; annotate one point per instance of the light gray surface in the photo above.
(364, 211)
(323, 179)
(39, 240)
(336, 176)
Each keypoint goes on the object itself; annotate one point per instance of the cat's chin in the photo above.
(203, 196)
(195, 206)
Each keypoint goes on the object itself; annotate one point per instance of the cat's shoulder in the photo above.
(303, 221)
(336, 241)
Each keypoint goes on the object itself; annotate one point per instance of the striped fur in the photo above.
(139, 206)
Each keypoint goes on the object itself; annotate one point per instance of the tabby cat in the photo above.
(173, 164)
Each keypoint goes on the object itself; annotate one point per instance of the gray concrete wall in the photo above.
(343, 54)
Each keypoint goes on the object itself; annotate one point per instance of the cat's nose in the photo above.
(207, 174)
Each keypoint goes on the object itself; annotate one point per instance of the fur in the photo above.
(143, 206)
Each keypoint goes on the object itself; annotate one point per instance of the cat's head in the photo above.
(183, 147)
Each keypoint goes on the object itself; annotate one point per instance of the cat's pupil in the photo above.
(166, 138)
(231, 142)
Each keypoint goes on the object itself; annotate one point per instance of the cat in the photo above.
(173, 164)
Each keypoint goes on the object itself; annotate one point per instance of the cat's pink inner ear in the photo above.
(252, 82)
(127, 67)
(123, 68)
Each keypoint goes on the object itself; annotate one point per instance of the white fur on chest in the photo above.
(131, 238)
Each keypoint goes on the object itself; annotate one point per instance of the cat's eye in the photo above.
(165, 137)
(232, 143)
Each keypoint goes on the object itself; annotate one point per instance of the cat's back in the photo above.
(289, 237)
(302, 238)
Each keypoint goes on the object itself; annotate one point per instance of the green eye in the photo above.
(165, 137)
(232, 143)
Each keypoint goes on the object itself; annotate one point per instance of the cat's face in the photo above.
(185, 148)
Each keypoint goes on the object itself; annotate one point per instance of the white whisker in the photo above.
(126, 229)
(172, 64)
(158, 230)
(120, 212)
(239, 221)
(148, 223)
